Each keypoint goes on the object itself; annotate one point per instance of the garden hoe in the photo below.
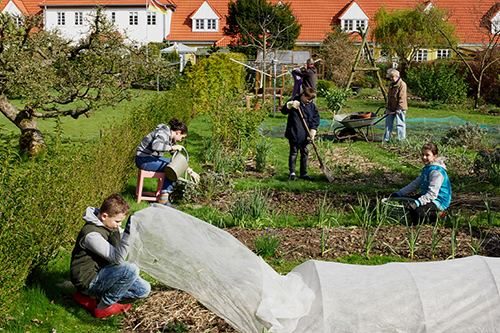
(321, 165)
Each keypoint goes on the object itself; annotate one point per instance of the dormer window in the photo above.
(354, 19)
(200, 24)
(354, 25)
(205, 19)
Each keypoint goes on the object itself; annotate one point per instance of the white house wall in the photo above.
(12, 9)
(205, 12)
(140, 33)
(354, 13)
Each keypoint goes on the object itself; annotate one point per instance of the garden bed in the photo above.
(298, 245)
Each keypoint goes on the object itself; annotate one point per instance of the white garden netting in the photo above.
(186, 253)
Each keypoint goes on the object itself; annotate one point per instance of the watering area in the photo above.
(414, 126)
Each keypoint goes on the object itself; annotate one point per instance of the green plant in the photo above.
(454, 244)
(470, 134)
(435, 239)
(336, 99)
(475, 245)
(412, 236)
(267, 243)
(213, 184)
(370, 220)
(487, 165)
(438, 81)
(252, 207)
(325, 233)
(487, 203)
(262, 148)
(323, 86)
(323, 211)
(178, 327)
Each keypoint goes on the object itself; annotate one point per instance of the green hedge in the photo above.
(43, 199)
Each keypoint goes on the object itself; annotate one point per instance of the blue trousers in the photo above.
(157, 164)
(400, 125)
(115, 283)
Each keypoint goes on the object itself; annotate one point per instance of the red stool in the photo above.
(150, 196)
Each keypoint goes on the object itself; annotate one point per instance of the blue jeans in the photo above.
(115, 283)
(400, 125)
(156, 164)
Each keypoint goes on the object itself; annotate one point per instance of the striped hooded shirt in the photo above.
(156, 143)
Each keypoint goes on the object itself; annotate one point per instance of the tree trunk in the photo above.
(264, 56)
(31, 139)
(478, 93)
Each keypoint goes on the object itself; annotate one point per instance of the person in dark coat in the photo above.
(297, 134)
(308, 76)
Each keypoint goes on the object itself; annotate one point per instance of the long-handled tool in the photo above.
(321, 165)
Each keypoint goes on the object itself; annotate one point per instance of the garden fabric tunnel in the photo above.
(460, 295)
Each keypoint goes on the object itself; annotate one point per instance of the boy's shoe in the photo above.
(307, 177)
(169, 204)
(112, 310)
(88, 302)
(164, 198)
(292, 177)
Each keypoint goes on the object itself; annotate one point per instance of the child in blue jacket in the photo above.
(434, 184)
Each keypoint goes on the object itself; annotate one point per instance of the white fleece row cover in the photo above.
(184, 252)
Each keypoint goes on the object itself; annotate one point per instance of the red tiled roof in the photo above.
(315, 16)
(94, 2)
(26, 6)
(181, 27)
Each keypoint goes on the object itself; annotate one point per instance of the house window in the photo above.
(349, 25)
(113, 17)
(422, 55)
(61, 18)
(133, 18)
(495, 27)
(151, 18)
(211, 24)
(78, 18)
(354, 25)
(200, 24)
(18, 21)
(441, 54)
(360, 24)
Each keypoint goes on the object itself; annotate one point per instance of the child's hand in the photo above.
(127, 226)
(411, 206)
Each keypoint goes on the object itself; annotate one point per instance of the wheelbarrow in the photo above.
(358, 125)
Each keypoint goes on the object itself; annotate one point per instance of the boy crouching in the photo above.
(99, 271)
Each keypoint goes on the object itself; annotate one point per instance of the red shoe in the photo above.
(112, 310)
(87, 302)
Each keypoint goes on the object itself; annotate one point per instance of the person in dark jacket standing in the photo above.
(297, 134)
(308, 76)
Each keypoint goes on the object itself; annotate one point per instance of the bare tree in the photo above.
(490, 37)
(57, 77)
(260, 25)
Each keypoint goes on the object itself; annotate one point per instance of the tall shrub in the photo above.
(438, 81)
(43, 201)
(204, 80)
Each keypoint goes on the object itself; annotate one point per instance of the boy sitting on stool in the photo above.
(98, 266)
